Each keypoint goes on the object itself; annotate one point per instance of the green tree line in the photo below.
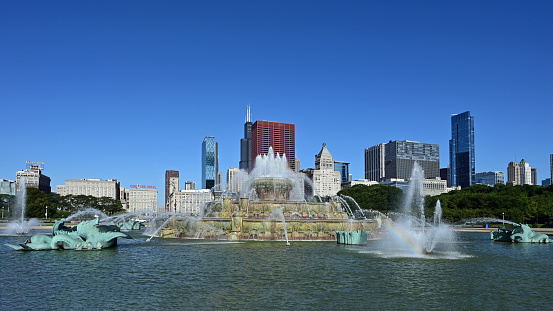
(522, 204)
(40, 203)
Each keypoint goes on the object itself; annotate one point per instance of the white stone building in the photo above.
(139, 198)
(93, 187)
(326, 180)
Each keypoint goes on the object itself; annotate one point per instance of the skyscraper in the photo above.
(375, 162)
(551, 167)
(402, 155)
(461, 150)
(210, 162)
(343, 168)
(280, 136)
(168, 175)
(246, 144)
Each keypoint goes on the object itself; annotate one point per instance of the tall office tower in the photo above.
(280, 136)
(525, 173)
(513, 174)
(490, 178)
(534, 176)
(325, 179)
(343, 168)
(168, 175)
(461, 150)
(298, 165)
(210, 162)
(375, 157)
(444, 175)
(246, 144)
(402, 155)
(33, 177)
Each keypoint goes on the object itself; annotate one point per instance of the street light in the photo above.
(503, 218)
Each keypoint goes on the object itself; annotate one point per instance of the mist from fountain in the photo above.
(275, 166)
(21, 226)
(410, 233)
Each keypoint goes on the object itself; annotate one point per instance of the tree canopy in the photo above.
(39, 202)
(522, 204)
(376, 197)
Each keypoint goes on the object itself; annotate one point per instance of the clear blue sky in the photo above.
(129, 89)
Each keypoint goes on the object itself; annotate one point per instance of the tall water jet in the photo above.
(278, 214)
(20, 225)
(411, 232)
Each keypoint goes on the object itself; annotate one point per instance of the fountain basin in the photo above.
(358, 237)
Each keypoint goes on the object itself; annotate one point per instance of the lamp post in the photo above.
(503, 218)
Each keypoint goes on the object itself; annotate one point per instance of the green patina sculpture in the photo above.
(358, 237)
(129, 224)
(86, 235)
(519, 233)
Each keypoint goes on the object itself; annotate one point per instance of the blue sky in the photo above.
(129, 89)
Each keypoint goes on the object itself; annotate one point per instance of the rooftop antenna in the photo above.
(249, 114)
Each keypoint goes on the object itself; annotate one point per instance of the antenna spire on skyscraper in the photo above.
(249, 114)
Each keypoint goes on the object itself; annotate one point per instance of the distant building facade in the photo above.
(365, 182)
(189, 185)
(280, 136)
(169, 174)
(546, 182)
(490, 178)
(33, 177)
(461, 150)
(343, 168)
(375, 162)
(210, 163)
(395, 160)
(534, 180)
(93, 187)
(234, 180)
(444, 175)
(513, 174)
(7, 187)
(190, 202)
(402, 155)
(520, 173)
(141, 198)
(326, 180)
(430, 186)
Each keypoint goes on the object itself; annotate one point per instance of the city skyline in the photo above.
(130, 92)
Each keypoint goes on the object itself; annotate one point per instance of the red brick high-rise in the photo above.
(280, 136)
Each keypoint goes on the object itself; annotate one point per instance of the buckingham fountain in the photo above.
(275, 203)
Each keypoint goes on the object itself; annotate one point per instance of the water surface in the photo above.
(198, 274)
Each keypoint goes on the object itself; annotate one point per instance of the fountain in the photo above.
(87, 235)
(21, 226)
(275, 203)
(518, 233)
(411, 233)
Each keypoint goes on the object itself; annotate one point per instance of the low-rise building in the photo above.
(92, 187)
(33, 177)
(140, 198)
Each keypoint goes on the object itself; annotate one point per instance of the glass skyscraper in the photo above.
(343, 168)
(461, 150)
(210, 162)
